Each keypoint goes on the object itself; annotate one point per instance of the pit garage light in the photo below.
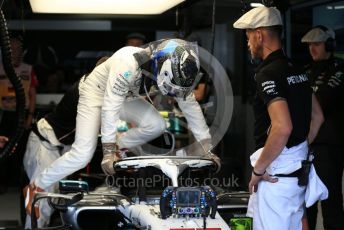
(102, 6)
(340, 7)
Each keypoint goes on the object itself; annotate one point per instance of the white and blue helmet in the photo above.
(176, 67)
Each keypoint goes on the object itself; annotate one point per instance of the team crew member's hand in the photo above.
(256, 177)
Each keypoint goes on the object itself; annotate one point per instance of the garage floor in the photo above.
(9, 209)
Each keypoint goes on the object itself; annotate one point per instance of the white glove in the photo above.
(207, 147)
(110, 155)
(107, 163)
(109, 159)
(216, 159)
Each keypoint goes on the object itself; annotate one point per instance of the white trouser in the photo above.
(38, 156)
(149, 123)
(279, 205)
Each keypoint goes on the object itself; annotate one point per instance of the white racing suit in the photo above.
(124, 81)
(38, 156)
(119, 78)
(280, 205)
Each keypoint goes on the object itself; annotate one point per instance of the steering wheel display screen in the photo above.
(188, 201)
(188, 198)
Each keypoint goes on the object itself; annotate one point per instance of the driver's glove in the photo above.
(215, 158)
(207, 153)
(111, 155)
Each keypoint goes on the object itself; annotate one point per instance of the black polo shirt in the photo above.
(277, 77)
(63, 118)
(327, 78)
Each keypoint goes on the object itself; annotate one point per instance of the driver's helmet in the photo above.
(176, 67)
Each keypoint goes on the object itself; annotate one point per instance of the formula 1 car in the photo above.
(148, 193)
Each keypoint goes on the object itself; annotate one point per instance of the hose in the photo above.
(16, 82)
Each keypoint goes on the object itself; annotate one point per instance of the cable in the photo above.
(233, 195)
(213, 28)
(34, 218)
(147, 74)
(204, 222)
(173, 142)
(212, 46)
(18, 87)
(146, 91)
